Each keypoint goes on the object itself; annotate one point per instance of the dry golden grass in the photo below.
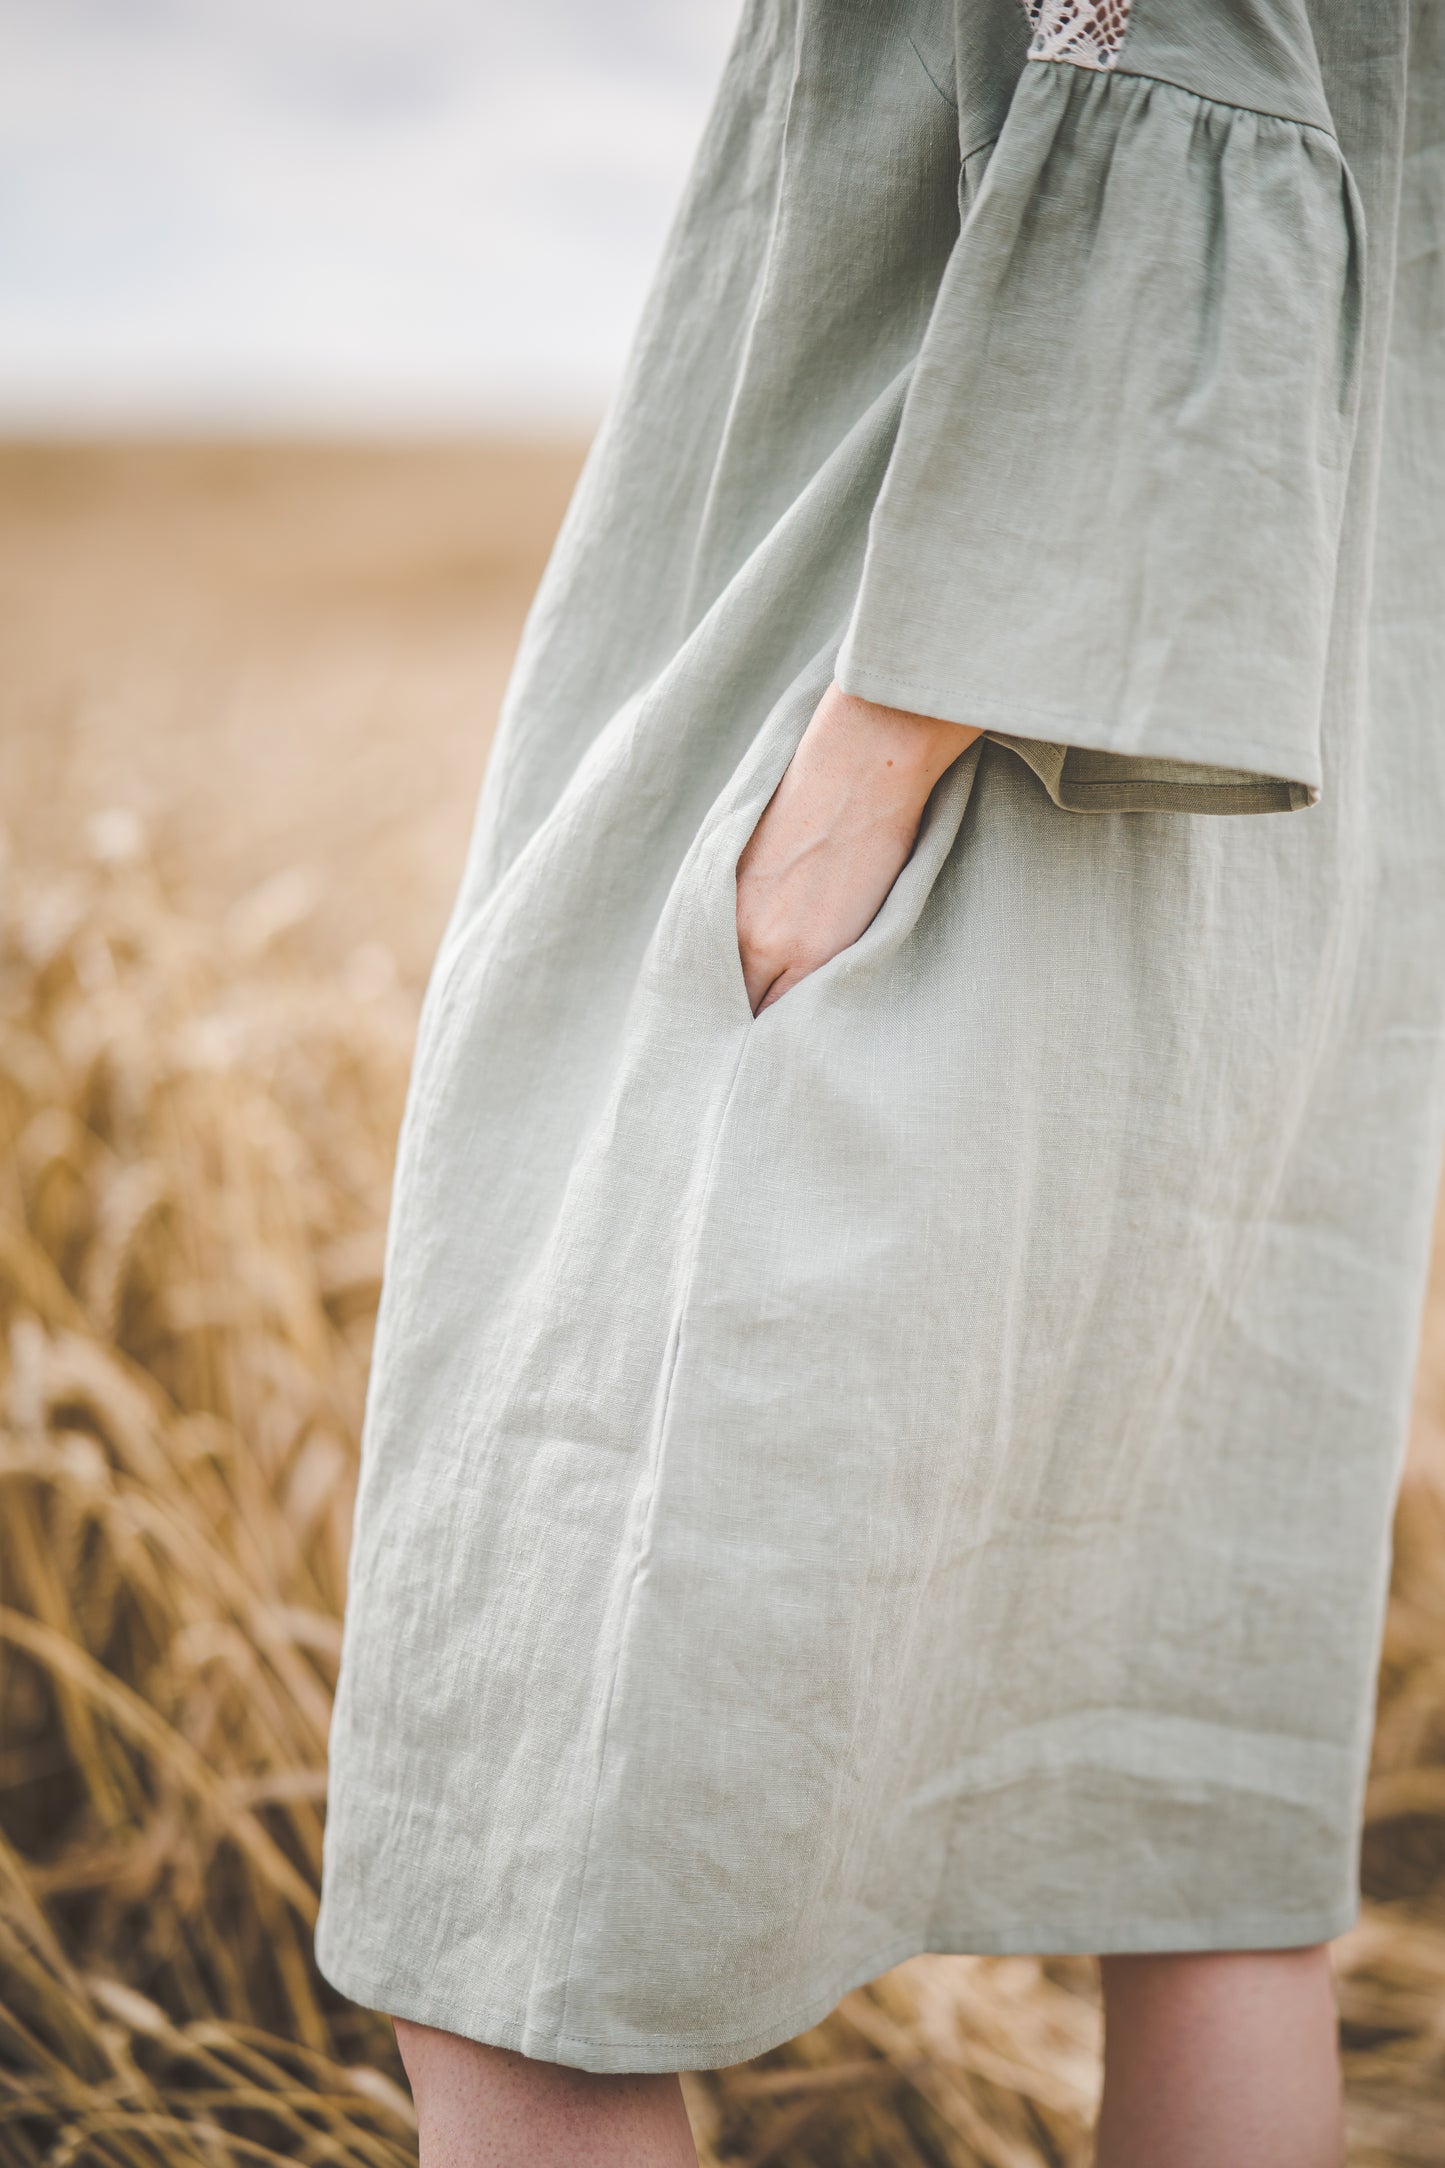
(196, 1127)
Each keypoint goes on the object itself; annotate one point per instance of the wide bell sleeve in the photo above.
(1108, 532)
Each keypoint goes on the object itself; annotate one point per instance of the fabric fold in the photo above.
(1109, 529)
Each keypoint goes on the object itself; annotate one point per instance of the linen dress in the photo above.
(913, 1471)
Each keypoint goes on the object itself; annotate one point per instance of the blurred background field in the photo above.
(245, 704)
(283, 660)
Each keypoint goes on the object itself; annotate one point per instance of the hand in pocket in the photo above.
(835, 835)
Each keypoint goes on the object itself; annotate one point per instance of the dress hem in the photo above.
(610, 2057)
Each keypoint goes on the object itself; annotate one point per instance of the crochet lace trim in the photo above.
(1085, 33)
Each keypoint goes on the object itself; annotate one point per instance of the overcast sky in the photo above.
(337, 214)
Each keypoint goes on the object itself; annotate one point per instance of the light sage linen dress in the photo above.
(914, 1471)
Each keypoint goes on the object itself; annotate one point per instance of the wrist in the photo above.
(917, 748)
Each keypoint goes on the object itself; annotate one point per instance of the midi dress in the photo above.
(913, 1470)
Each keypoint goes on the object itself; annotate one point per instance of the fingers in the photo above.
(837, 903)
(759, 982)
(768, 981)
(781, 985)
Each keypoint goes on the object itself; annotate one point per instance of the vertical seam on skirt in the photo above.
(654, 1478)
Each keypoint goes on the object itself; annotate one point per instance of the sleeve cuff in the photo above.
(1109, 528)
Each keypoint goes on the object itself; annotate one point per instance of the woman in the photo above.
(909, 1231)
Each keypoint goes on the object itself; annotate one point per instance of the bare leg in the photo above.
(480, 2107)
(1225, 2060)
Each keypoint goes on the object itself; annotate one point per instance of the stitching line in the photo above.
(951, 103)
(654, 1479)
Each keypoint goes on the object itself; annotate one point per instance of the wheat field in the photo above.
(212, 934)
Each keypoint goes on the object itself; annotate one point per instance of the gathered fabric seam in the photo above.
(1201, 97)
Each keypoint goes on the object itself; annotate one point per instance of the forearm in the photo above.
(893, 754)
